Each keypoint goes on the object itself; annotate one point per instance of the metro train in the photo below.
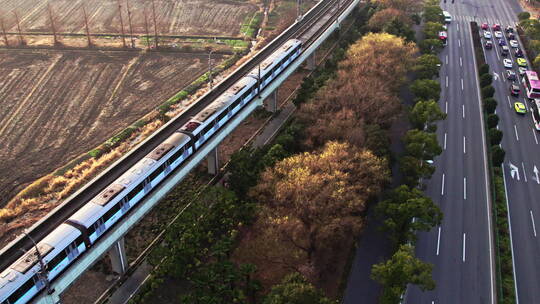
(20, 282)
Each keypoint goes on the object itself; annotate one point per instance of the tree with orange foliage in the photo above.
(408, 6)
(314, 201)
(382, 17)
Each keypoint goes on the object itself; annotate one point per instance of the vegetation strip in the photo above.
(505, 278)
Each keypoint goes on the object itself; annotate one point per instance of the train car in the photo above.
(20, 283)
(203, 125)
(117, 199)
(277, 62)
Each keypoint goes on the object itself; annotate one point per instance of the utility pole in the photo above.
(121, 24)
(155, 24)
(6, 41)
(42, 273)
(52, 24)
(146, 28)
(86, 25)
(130, 25)
(21, 40)
(298, 10)
(210, 69)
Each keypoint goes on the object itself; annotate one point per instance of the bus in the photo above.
(447, 17)
(535, 113)
(531, 84)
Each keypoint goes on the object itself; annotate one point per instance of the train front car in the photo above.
(203, 125)
(272, 66)
(20, 282)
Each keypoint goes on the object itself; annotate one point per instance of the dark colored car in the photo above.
(502, 42)
(505, 50)
(485, 26)
(518, 53)
(510, 75)
(514, 90)
(509, 29)
(489, 44)
(511, 36)
(496, 27)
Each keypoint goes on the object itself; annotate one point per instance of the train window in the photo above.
(56, 260)
(72, 251)
(235, 103)
(21, 291)
(177, 154)
(79, 240)
(155, 174)
(111, 212)
(135, 191)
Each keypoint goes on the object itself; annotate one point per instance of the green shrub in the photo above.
(495, 136)
(485, 80)
(492, 121)
(484, 69)
(497, 155)
(488, 92)
(524, 16)
(490, 104)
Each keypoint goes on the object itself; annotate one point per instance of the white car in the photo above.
(487, 35)
(507, 63)
(522, 71)
(498, 34)
(514, 43)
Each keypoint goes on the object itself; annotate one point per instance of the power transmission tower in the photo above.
(155, 24)
(146, 28)
(21, 40)
(121, 24)
(86, 25)
(130, 25)
(6, 41)
(51, 19)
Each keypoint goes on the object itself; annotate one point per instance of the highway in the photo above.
(461, 249)
(520, 141)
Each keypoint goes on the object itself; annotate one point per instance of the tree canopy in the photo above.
(295, 289)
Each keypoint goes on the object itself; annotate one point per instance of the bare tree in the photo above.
(146, 28)
(130, 25)
(86, 25)
(121, 23)
(6, 41)
(21, 39)
(155, 24)
(53, 27)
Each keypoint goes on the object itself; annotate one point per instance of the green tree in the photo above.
(422, 145)
(430, 46)
(488, 92)
(432, 29)
(485, 80)
(497, 155)
(524, 16)
(377, 140)
(399, 28)
(427, 66)
(244, 169)
(490, 104)
(425, 114)
(295, 289)
(534, 45)
(495, 136)
(426, 89)
(492, 121)
(404, 205)
(433, 13)
(484, 69)
(413, 169)
(402, 269)
(536, 62)
(275, 154)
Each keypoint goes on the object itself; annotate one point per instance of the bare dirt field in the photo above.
(187, 17)
(56, 105)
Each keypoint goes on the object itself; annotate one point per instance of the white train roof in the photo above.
(275, 57)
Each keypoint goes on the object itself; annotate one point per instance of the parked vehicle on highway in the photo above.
(520, 108)
(498, 34)
(507, 63)
(501, 42)
(447, 17)
(511, 36)
(510, 75)
(484, 26)
(518, 53)
(531, 83)
(514, 90)
(487, 35)
(505, 50)
(521, 62)
(20, 282)
(522, 71)
(443, 36)
(489, 44)
(514, 43)
(496, 27)
(509, 29)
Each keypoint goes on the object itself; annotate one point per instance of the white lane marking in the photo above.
(445, 140)
(439, 239)
(459, 42)
(447, 81)
(446, 59)
(465, 188)
(464, 146)
(524, 172)
(442, 185)
(515, 129)
(509, 104)
(463, 110)
(511, 237)
(532, 221)
(464, 244)
(498, 57)
(486, 185)
(534, 133)
(460, 62)
(457, 26)
(462, 84)
(446, 108)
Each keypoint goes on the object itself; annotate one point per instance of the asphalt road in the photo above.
(461, 249)
(520, 141)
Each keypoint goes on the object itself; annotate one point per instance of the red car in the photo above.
(496, 27)
(485, 26)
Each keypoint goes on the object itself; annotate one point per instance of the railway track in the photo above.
(299, 30)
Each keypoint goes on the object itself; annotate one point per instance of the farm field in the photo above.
(187, 17)
(56, 105)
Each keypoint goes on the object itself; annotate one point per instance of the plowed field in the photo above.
(56, 105)
(186, 17)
